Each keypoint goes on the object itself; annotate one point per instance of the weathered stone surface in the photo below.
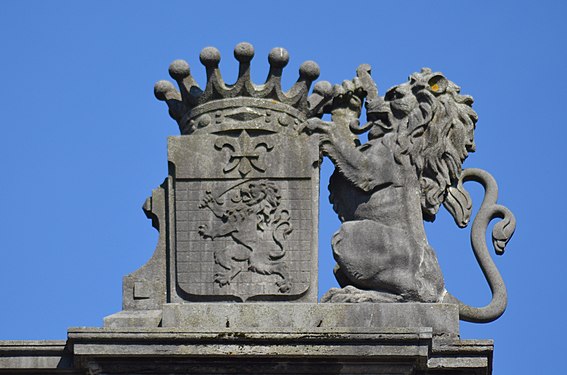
(145, 289)
(34, 356)
(239, 238)
(419, 134)
(134, 318)
(291, 317)
(238, 213)
(321, 350)
(181, 351)
(302, 317)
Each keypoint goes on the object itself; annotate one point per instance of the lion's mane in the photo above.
(262, 199)
(430, 124)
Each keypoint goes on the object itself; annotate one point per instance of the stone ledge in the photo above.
(292, 317)
(34, 354)
(297, 317)
(324, 344)
(464, 354)
(362, 350)
(413, 349)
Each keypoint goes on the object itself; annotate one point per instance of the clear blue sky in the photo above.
(84, 141)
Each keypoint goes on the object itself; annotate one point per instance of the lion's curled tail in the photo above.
(458, 203)
(282, 228)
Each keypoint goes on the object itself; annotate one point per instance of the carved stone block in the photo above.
(244, 233)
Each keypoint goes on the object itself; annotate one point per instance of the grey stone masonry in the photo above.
(304, 317)
(321, 350)
(36, 357)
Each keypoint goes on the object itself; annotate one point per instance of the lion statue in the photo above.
(252, 216)
(419, 134)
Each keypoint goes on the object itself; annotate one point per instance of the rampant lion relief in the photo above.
(249, 213)
(419, 134)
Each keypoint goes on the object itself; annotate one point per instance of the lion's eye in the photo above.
(438, 83)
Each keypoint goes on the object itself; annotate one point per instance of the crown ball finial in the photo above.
(162, 88)
(323, 88)
(210, 57)
(179, 69)
(278, 57)
(244, 52)
(309, 70)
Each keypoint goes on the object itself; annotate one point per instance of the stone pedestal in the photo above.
(263, 338)
(318, 351)
(294, 338)
(443, 319)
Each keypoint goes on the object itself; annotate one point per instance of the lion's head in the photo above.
(432, 127)
(261, 198)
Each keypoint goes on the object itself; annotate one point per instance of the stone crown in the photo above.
(182, 103)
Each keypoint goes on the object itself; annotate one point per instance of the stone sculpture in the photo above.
(419, 134)
(243, 186)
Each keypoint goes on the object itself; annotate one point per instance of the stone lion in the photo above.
(419, 134)
(253, 218)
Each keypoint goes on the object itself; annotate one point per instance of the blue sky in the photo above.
(84, 141)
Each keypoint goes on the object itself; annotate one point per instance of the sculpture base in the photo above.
(292, 317)
(319, 351)
(264, 338)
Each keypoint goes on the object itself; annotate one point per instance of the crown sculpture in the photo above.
(238, 213)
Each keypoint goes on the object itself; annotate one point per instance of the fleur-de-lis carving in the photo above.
(245, 152)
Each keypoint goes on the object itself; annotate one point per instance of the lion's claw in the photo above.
(207, 200)
(204, 231)
(284, 286)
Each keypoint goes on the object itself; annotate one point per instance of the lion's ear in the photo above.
(438, 84)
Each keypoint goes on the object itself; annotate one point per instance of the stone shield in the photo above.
(244, 205)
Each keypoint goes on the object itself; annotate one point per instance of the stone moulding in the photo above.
(35, 355)
(178, 351)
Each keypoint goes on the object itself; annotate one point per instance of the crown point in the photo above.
(309, 70)
(179, 69)
(278, 57)
(323, 88)
(244, 52)
(161, 88)
(210, 57)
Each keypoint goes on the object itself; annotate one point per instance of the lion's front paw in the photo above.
(315, 125)
(208, 200)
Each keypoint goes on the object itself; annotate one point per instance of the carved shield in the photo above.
(244, 204)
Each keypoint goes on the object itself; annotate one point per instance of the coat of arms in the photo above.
(241, 204)
(246, 183)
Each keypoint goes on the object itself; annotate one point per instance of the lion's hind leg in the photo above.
(278, 268)
(385, 262)
(227, 259)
